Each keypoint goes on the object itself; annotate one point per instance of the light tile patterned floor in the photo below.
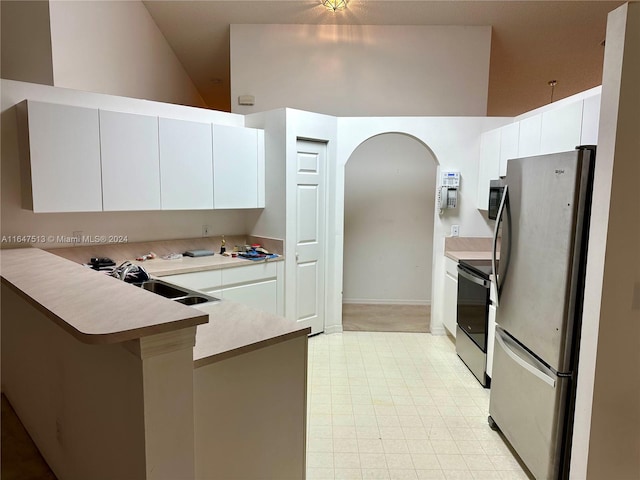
(398, 406)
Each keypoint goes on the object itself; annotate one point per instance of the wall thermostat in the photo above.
(451, 179)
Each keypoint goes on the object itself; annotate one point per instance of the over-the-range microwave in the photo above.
(496, 187)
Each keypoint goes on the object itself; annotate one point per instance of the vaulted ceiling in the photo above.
(532, 42)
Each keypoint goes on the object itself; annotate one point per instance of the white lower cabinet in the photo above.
(207, 281)
(260, 295)
(450, 310)
(259, 286)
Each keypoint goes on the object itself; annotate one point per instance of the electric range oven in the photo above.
(473, 316)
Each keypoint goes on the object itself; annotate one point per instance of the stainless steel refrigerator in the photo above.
(543, 219)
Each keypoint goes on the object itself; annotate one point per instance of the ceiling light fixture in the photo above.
(334, 5)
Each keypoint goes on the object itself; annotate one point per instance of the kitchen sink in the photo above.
(175, 293)
(195, 300)
(162, 288)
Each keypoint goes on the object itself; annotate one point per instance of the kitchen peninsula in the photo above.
(106, 379)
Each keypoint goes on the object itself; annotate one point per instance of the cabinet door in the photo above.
(205, 281)
(64, 145)
(509, 137)
(489, 165)
(260, 295)
(561, 129)
(238, 167)
(529, 136)
(186, 165)
(590, 120)
(450, 310)
(130, 161)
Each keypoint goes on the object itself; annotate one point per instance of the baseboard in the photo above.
(368, 301)
(333, 329)
(438, 330)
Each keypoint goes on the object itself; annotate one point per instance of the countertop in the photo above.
(234, 329)
(469, 248)
(92, 306)
(160, 267)
(98, 309)
(465, 255)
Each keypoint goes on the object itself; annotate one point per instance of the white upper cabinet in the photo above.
(489, 166)
(130, 161)
(238, 167)
(64, 158)
(529, 136)
(186, 165)
(590, 120)
(508, 145)
(561, 128)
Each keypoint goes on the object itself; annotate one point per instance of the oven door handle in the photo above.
(473, 278)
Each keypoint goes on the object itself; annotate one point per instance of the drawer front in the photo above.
(251, 273)
(451, 267)
(260, 295)
(203, 281)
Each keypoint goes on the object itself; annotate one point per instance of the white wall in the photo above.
(26, 42)
(270, 222)
(340, 69)
(455, 144)
(138, 226)
(115, 47)
(607, 423)
(388, 221)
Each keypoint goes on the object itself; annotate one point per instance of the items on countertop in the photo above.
(101, 263)
(254, 252)
(130, 272)
(223, 247)
(148, 256)
(172, 256)
(198, 253)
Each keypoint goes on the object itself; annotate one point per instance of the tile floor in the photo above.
(398, 406)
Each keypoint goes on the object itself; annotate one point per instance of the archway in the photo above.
(390, 182)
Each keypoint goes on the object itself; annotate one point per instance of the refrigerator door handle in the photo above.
(494, 261)
(516, 354)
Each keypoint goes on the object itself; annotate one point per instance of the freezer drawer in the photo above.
(527, 402)
(474, 358)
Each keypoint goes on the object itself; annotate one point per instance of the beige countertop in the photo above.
(469, 248)
(160, 267)
(466, 255)
(96, 308)
(234, 329)
(92, 306)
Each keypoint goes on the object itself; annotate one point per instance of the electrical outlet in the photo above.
(206, 230)
(77, 236)
(455, 230)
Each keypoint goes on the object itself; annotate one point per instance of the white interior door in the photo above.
(310, 233)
